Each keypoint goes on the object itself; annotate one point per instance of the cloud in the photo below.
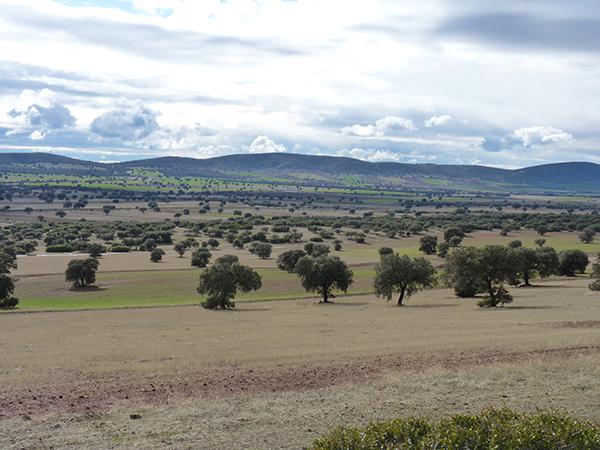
(183, 138)
(128, 122)
(263, 144)
(536, 29)
(144, 39)
(527, 137)
(382, 127)
(437, 121)
(38, 113)
(539, 135)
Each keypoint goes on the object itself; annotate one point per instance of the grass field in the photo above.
(157, 288)
(278, 374)
(131, 280)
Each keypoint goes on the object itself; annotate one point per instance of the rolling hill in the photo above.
(312, 169)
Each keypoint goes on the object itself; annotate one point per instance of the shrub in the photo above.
(157, 254)
(59, 248)
(120, 249)
(493, 428)
(571, 262)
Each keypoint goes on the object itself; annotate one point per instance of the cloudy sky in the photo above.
(508, 84)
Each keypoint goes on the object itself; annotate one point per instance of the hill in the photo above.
(329, 170)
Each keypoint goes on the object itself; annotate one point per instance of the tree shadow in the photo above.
(332, 303)
(92, 288)
(510, 307)
(431, 305)
(544, 286)
(249, 309)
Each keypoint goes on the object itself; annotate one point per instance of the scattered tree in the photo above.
(201, 257)
(82, 272)
(223, 280)
(323, 274)
(287, 260)
(572, 262)
(428, 244)
(95, 250)
(156, 255)
(402, 275)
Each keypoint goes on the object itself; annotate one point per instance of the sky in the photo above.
(507, 84)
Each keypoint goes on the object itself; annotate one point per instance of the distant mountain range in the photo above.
(325, 170)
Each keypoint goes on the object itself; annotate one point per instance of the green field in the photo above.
(157, 288)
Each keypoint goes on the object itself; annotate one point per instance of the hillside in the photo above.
(336, 171)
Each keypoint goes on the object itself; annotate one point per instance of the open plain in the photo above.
(276, 374)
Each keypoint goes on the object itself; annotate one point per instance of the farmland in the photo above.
(133, 360)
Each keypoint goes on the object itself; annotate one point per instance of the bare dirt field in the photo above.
(277, 374)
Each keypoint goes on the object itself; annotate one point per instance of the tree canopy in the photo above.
(221, 282)
(323, 275)
(82, 272)
(402, 275)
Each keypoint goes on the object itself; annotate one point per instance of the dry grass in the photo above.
(361, 359)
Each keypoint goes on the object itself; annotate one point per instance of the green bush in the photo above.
(119, 249)
(59, 248)
(493, 428)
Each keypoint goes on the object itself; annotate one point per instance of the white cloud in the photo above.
(437, 121)
(38, 113)
(382, 127)
(263, 144)
(372, 155)
(528, 137)
(130, 121)
(539, 135)
(217, 63)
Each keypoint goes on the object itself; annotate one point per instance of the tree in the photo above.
(106, 209)
(571, 262)
(7, 287)
(540, 242)
(452, 232)
(385, 251)
(223, 280)
(150, 244)
(316, 250)
(428, 244)
(455, 241)
(462, 272)
(402, 275)
(541, 229)
(157, 254)
(287, 260)
(201, 257)
(587, 235)
(488, 267)
(515, 243)
(337, 245)
(7, 261)
(595, 285)
(61, 214)
(263, 250)
(180, 248)
(442, 249)
(82, 272)
(95, 250)
(323, 274)
(547, 262)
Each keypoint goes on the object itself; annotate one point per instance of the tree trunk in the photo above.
(526, 278)
(325, 296)
(401, 298)
(491, 293)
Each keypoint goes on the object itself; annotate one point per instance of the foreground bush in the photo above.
(491, 429)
